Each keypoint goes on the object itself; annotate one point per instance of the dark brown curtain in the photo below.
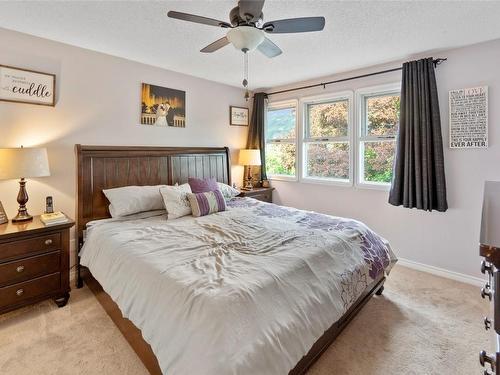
(418, 178)
(256, 131)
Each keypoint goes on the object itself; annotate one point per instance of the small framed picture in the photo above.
(3, 216)
(238, 116)
(27, 86)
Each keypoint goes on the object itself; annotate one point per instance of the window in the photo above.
(281, 144)
(327, 149)
(379, 122)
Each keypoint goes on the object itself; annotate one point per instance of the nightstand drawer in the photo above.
(265, 197)
(28, 268)
(17, 293)
(39, 244)
(261, 194)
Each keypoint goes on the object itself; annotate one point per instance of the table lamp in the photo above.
(21, 163)
(249, 157)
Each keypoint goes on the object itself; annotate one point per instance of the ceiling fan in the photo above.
(247, 29)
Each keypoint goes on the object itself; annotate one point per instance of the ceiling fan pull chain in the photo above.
(245, 74)
(245, 69)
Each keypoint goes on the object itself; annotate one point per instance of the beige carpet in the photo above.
(422, 325)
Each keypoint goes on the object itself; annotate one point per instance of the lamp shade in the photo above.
(23, 162)
(490, 221)
(250, 157)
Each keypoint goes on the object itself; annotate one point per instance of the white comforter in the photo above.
(246, 291)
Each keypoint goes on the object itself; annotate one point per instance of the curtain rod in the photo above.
(323, 84)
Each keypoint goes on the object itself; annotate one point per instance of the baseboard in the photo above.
(477, 281)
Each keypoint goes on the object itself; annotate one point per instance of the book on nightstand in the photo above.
(54, 218)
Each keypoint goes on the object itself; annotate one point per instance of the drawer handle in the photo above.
(20, 269)
(486, 292)
(20, 292)
(487, 323)
(485, 267)
(48, 242)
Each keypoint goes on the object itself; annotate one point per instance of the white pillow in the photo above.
(176, 201)
(130, 200)
(228, 192)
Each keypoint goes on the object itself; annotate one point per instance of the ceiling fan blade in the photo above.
(295, 25)
(218, 44)
(268, 48)
(250, 10)
(197, 19)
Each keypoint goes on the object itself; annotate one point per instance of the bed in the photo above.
(258, 288)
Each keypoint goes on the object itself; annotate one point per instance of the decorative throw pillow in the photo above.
(130, 200)
(199, 185)
(227, 191)
(206, 203)
(175, 200)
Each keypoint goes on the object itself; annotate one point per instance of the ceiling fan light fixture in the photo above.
(245, 38)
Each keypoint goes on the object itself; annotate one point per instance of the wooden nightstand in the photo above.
(34, 263)
(260, 193)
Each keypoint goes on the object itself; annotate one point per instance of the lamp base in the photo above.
(249, 182)
(22, 216)
(22, 199)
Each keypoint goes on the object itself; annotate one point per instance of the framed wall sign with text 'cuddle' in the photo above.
(27, 86)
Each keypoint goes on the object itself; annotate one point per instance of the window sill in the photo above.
(283, 178)
(373, 186)
(324, 181)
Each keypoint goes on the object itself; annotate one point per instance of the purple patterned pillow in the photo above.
(199, 185)
(206, 203)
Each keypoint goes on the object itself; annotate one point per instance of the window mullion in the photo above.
(373, 138)
(278, 141)
(327, 139)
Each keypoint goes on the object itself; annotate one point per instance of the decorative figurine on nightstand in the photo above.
(248, 158)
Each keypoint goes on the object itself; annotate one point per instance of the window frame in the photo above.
(361, 95)
(289, 103)
(304, 139)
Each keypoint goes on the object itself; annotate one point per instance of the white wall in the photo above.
(447, 240)
(98, 102)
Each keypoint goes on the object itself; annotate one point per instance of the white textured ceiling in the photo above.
(356, 35)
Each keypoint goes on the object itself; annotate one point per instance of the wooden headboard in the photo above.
(105, 167)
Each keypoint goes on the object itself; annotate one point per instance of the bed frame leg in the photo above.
(79, 280)
(380, 290)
